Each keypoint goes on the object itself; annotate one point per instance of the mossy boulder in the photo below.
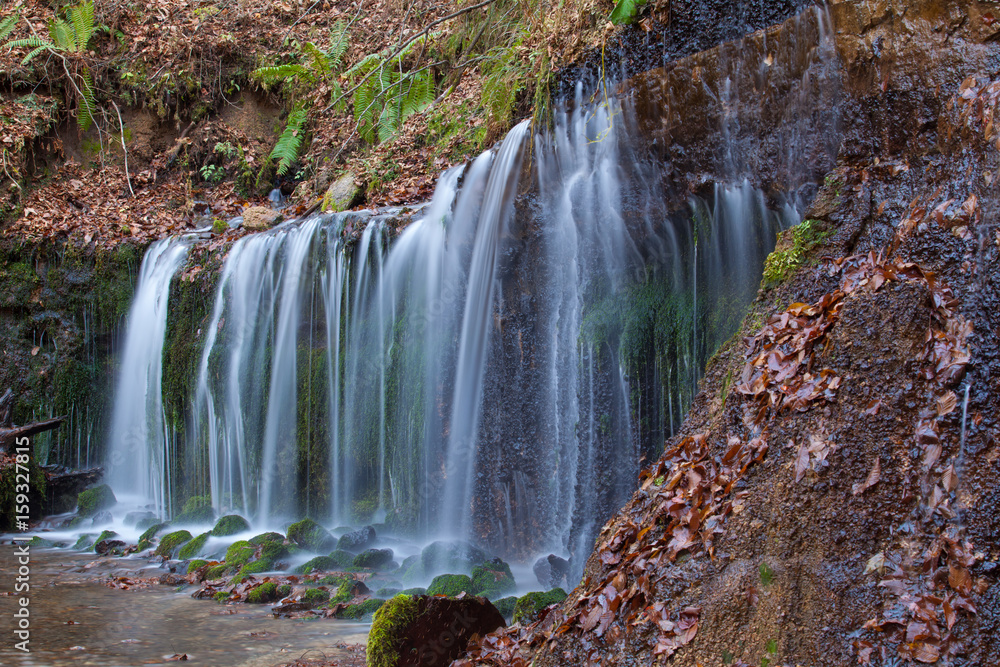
(171, 542)
(386, 593)
(217, 572)
(342, 559)
(506, 606)
(317, 564)
(85, 541)
(148, 522)
(193, 548)
(310, 535)
(263, 594)
(231, 524)
(455, 556)
(492, 579)
(196, 565)
(406, 626)
(315, 596)
(411, 570)
(374, 559)
(284, 590)
(358, 540)
(239, 554)
(450, 585)
(257, 540)
(350, 589)
(253, 567)
(92, 501)
(360, 611)
(527, 607)
(133, 518)
(146, 539)
(414, 591)
(42, 543)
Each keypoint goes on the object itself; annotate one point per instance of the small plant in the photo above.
(625, 11)
(286, 151)
(225, 149)
(212, 173)
(780, 264)
(766, 574)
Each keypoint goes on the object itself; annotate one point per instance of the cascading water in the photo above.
(140, 444)
(501, 367)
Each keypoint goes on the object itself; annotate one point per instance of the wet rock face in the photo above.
(551, 571)
(357, 541)
(442, 630)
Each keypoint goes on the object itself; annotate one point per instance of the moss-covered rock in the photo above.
(171, 542)
(527, 607)
(386, 593)
(358, 540)
(92, 501)
(217, 572)
(85, 541)
(506, 606)
(315, 596)
(105, 535)
(360, 611)
(350, 589)
(195, 565)
(146, 539)
(42, 543)
(388, 630)
(374, 559)
(253, 567)
(411, 570)
(317, 564)
(193, 548)
(414, 591)
(284, 590)
(231, 524)
(492, 579)
(257, 540)
(450, 585)
(456, 556)
(239, 554)
(263, 594)
(310, 535)
(148, 522)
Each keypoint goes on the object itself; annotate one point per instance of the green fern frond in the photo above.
(82, 16)
(419, 95)
(388, 122)
(33, 42)
(364, 111)
(286, 151)
(34, 52)
(87, 107)
(319, 62)
(365, 65)
(339, 38)
(266, 75)
(62, 34)
(8, 24)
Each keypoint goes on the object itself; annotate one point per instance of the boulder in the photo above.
(92, 501)
(450, 585)
(259, 218)
(102, 518)
(375, 559)
(428, 631)
(528, 607)
(551, 571)
(310, 535)
(230, 524)
(492, 579)
(105, 547)
(341, 195)
(138, 516)
(456, 556)
(358, 540)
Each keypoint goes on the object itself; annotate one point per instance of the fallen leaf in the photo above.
(946, 404)
(874, 475)
(801, 462)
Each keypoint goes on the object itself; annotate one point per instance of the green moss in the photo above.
(386, 593)
(253, 567)
(781, 264)
(266, 592)
(266, 537)
(506, 606)
(193, 548)
(217, 572)
(345, 591)
(414, 591)
(527, 607)
(92, 501)
(231, 524)
(315, 596)
(171, 541)
(388, 629)
(492, 579)
(317, 564)
(310, 535)
(284, 591)
(360, 611)
(196, 564)
(341, 559)
(42, 543)
(146, 539)
(450, 585)
(273, 551)
(239, 553)
(197, 509)
(374, 559)
(332, 580)
(85, 541)
(221, 596)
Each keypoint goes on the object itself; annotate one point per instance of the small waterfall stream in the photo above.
(500, 368)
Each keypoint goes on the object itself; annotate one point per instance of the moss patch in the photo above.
(193, 548)
(171, 541)
(196, 564)
(263, 594)
(528, 606)
(506, 606)
(360, 611)
(782, 263)
(92, 501)
(492, 579)
(146, 539)
(239, 554)
(388, 627)
(231, 524)
(310, 535)
(450, 585)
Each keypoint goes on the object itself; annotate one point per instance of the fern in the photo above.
(34, 52)
(267, 75)
(87, 107)
(339, 37)
(82, 17)
(318, 60)
(8, 24)
(286, 151)
(62, 34)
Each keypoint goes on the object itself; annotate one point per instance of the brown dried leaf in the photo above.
(946, 404)
(874, 475)
(801, 462)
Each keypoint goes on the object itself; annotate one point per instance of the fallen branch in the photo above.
(10, 436)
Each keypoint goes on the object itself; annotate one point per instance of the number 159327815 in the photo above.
(22, 480)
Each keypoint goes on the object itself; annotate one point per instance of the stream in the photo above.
(78, 620)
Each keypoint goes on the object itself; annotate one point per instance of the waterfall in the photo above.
(138, 463)
(500, 368)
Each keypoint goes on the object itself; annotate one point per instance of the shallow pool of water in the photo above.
(77, 620)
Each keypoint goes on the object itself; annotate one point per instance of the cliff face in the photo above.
(831, 498)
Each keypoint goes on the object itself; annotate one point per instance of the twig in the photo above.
(402, 47)
(121, 125)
